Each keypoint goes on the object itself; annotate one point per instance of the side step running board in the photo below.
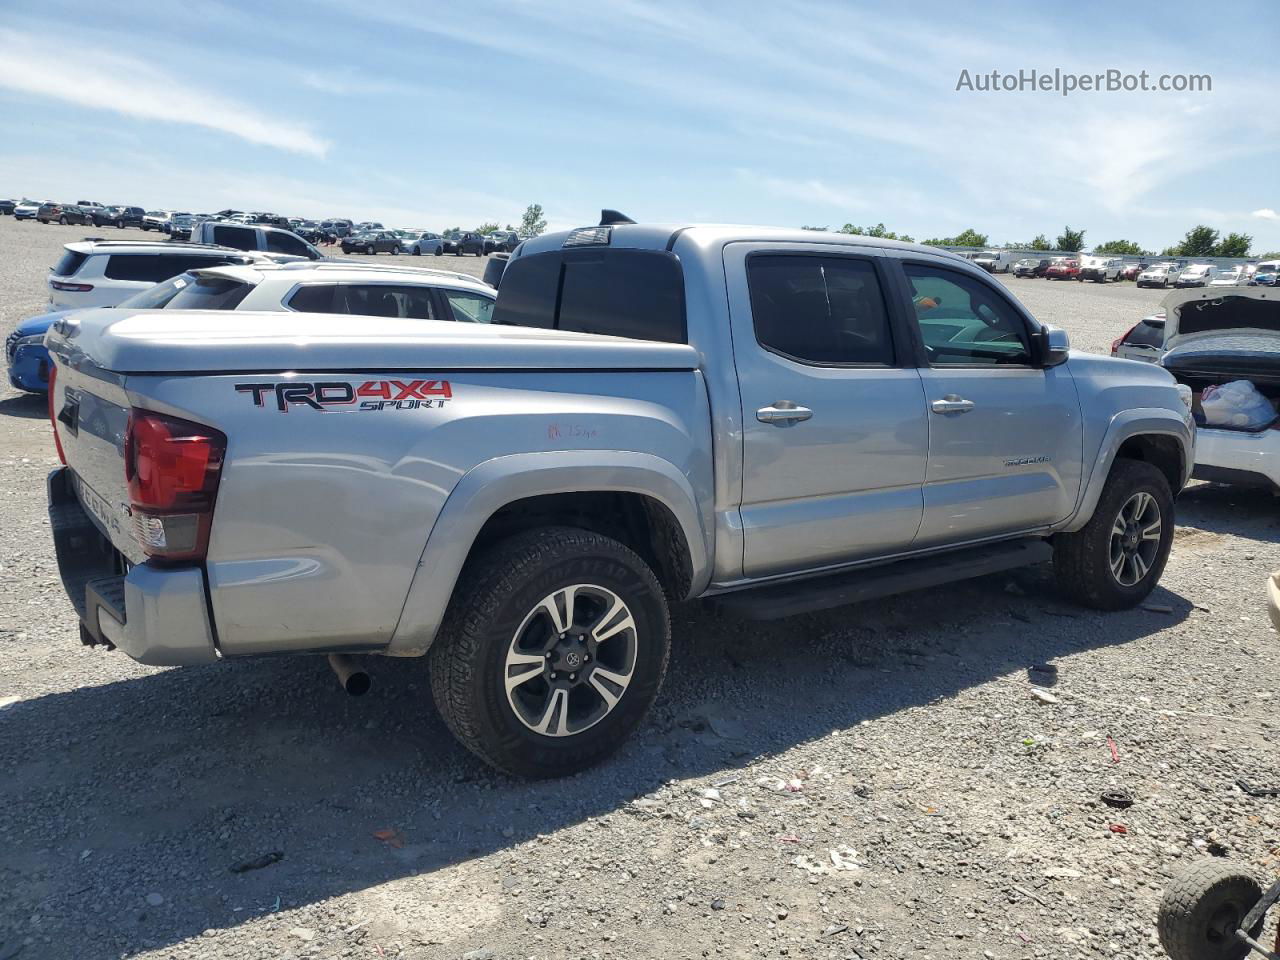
(902, 576)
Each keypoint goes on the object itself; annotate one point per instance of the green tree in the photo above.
(969, 238)
(1041, 242)
(486, 228)
(877, 231)
(1233, 245)
(532, 223)
(1070, 240)
(1199, 242)
(1270, 255)
(1123, 247)
(453, 233)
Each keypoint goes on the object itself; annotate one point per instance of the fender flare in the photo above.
(1124, 426)
(491, 485)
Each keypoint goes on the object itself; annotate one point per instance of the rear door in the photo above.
(835, 433)
(1005, 434)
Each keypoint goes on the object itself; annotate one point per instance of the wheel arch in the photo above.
(1157, 436)
(637, 498)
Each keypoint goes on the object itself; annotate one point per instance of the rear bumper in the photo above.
(157, 616)
(1234, 456)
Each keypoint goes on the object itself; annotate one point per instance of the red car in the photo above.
(1063, 268)
(1131, 271)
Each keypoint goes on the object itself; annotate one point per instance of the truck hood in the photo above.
(196, 341)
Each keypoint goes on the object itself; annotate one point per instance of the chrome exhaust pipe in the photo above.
(353, 679)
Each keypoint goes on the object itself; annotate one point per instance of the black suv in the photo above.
(501, 241)
(469, 242)
(118, 217)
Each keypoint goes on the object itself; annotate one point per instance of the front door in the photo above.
(835, 431)
(1005, 435)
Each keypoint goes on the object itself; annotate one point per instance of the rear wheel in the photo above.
(1115, 560)
(417, 250)
(370, 251)
(1202, 910)
(553, 653)
(63, 220)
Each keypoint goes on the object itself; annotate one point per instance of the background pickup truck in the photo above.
(775, 420)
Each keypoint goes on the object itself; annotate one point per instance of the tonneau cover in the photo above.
(207, 341)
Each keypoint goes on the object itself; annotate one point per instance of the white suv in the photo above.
(101, 273)
(329, 287)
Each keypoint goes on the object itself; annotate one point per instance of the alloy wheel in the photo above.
(1135, 539)
(571, 660)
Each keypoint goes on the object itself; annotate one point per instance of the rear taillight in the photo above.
(173, 467)
(1119, 341)
(71, 287)
(53, 419)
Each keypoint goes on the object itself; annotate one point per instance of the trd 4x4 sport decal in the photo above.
(340, 395)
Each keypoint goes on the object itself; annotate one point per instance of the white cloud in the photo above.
(353, 84)
(124, 85)
(1266, 213)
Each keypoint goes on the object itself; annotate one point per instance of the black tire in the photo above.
(370, 251)
(119, 224)
(502, 589)
(395, 251)
(63, 221)
(439, 251)
(417, 251)
(1202, 909)
(1082, 561)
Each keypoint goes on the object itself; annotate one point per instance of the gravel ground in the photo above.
(875, 782)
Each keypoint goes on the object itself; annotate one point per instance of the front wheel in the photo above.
(1202, 910)
(417, 251)
(1115, 560)
(63, 221)
(553, 653)
(369, 250)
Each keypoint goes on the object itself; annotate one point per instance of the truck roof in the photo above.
(663, 236)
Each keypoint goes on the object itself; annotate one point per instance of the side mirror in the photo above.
(1055, 346)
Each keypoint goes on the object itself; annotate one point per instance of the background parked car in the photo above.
(1196, 275)
(501, 241)
(366, 225)
(469, 242)
(371, 242)
(63, 213)
(119, 217)
(1158, 275)
(255, 237)
(1100, 269)
(6, 207)
(101, 273)
(1266, 275)
(1143, 341)
(155, 219)
(1063, 268)
(1232, 277)
(1130, 271)
(428, 243)
(992, 261)
(1031, 267)
(26, 209)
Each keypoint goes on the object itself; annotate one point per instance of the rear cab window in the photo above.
(618, 292)
(817, 309)
(242, 238)
(289, 244)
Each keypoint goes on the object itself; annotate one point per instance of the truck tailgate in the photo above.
(91, 416)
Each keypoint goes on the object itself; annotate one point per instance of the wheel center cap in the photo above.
(572, 659)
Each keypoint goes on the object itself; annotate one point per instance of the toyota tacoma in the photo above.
(771, 421)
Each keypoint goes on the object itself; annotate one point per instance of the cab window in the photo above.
(963, 322)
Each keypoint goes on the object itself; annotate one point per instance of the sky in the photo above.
(785, 112)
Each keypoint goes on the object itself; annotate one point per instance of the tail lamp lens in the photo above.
(71, 287)
(1119, 341)
(173, 467)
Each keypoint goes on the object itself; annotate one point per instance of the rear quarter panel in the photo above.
(322, 515)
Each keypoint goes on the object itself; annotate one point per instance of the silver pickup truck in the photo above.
(776, 421)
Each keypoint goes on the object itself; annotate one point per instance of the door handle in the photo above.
(783, 412)
(951, 404)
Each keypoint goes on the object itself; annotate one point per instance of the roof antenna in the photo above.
(609, 217)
